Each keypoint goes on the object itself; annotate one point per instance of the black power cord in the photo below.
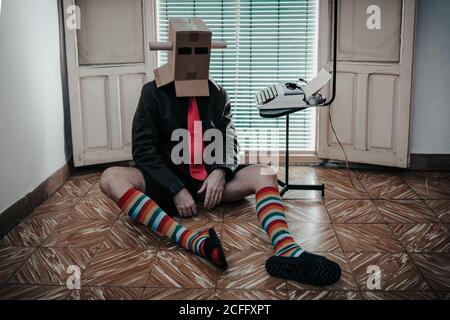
(330, 102)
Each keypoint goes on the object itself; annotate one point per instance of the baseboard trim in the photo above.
(24, 206)
(430, 162)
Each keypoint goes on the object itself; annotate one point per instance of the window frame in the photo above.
(296, 156)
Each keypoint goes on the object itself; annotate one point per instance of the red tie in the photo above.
(196, 167)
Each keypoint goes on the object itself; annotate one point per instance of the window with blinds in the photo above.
(268, 41)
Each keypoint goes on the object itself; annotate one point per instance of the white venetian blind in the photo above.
(268, 41)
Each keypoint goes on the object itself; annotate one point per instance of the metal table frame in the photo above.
(286, 186)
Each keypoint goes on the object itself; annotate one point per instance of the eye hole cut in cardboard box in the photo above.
(189, 49)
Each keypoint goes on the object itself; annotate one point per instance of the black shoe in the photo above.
(214, 251)
(308, 268)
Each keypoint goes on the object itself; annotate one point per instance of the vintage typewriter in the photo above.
(298, 95)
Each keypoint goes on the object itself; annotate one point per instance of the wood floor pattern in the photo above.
(398, 222)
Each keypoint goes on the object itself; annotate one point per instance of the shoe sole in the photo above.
(319, 273)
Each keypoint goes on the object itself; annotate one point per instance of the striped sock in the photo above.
(144, 210)
(270, 211)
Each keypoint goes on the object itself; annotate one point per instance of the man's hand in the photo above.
(185, 204)
(214, 186)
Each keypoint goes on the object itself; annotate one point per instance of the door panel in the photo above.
(382, 111)
(111, 32)
(372, 107)
(107, 67)
(94, 108)
(344, 129)
(359, 43)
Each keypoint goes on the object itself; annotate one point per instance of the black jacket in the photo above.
(159, 113)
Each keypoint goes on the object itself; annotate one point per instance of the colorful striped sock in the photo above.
(141, 208)
(270, 211)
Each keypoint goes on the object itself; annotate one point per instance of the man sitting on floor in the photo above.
(158, 188)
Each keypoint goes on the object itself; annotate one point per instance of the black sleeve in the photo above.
(146, 153)
(230, 149)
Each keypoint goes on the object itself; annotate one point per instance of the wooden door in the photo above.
(371, 113)
(108, 63)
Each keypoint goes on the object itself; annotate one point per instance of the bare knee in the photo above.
(115, 181)
(108, 178)
(249, 180)
(264, 176)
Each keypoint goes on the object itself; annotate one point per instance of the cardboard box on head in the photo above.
(189, 49)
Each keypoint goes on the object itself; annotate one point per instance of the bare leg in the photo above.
(248, 181)
(115, 181)
(126, 186)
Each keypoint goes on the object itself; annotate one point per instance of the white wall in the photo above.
(431, 102)
(31, 106)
